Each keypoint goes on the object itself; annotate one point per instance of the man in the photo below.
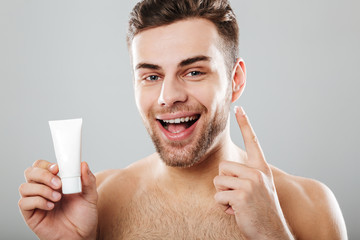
(199, 184)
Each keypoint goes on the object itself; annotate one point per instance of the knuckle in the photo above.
(39, 189)
(258, 176)
(40, 201)
(37, 163)
(241, 196)
(20, 202)
(41, 163)
(27, 171)
(46, 177)
(21, 188)
(222, 165)
(216, 180)
(43, 174)
(218, 196)
(47, 192)
(250, 186)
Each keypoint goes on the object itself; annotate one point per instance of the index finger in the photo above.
(45, 165)
(253, 149)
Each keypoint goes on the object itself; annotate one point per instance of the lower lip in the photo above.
(178, 136)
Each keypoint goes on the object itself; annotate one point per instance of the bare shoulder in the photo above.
(120, 185)
(309, 206)
(120, 180)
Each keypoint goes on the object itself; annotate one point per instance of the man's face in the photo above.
(181, 88)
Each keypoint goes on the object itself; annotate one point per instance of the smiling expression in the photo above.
(182, 88)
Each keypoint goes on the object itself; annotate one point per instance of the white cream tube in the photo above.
(66, 135)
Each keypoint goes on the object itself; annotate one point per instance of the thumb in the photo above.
(88, 180)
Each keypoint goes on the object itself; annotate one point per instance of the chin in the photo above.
(189, 152)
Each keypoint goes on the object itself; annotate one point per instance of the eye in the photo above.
(194, 73)
(152, 78)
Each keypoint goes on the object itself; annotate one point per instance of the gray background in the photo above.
(68, 59)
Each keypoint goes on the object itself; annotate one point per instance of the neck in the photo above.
(200, 177)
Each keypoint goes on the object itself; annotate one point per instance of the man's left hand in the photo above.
(248, 190)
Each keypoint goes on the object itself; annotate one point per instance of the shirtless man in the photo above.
(199, 184)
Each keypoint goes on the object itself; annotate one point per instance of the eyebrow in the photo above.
(194, 60)
(147, 65)
(183, 63)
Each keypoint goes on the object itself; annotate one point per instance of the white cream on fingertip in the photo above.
(66, 135)
(236, 109)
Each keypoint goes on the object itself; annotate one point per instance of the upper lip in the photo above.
(169, 116)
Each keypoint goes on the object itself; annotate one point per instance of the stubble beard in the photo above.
(188, 153)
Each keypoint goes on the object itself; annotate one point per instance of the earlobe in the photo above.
(238, 79)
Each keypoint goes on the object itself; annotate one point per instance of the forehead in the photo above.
(175, 42)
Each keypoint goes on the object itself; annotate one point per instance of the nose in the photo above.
(172, 91)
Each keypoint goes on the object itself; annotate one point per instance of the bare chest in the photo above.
(151, 215)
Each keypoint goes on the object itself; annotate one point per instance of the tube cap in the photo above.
(71, 185)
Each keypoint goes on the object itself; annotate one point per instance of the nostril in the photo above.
(172, 92)
(161, 101)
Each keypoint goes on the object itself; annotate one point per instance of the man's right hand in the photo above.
(52, 215)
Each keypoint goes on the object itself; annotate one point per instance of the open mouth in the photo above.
(178, 125)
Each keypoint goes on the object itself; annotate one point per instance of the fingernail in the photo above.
(50, 204)
(88, 169)
(52, 167)
(56, 182)
(241, 111)
(56, 195)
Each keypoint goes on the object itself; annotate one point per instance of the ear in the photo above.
(238, 78)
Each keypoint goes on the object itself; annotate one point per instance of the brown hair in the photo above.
(154, 13)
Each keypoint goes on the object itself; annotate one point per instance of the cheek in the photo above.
(204, 96)
(209, 94)
(145, 99)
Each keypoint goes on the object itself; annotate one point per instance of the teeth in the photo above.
(180, 120)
